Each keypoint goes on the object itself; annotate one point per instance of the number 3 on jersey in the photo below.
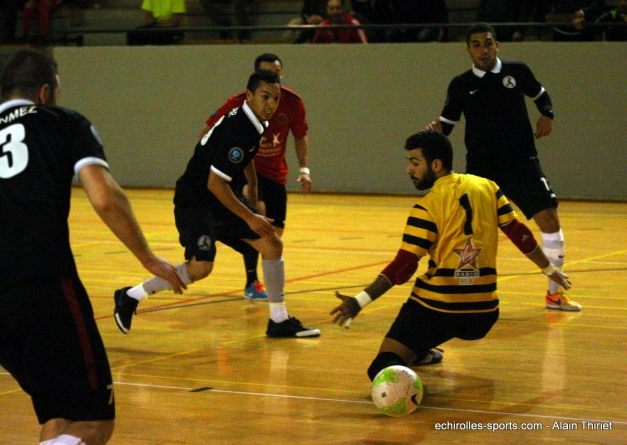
(13, 151)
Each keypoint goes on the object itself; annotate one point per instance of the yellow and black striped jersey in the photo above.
(456, 223)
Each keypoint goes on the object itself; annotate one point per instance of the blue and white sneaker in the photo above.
(255, 291)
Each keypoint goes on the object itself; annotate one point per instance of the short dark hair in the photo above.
(477, 28)
(434, 145)
(259, 76)
(266, 57)
(25, 72)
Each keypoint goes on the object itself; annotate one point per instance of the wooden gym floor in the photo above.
(198, 369)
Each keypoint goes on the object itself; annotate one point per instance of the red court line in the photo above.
(194, 300)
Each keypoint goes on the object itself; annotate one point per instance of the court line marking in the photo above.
(362, 402)
(365, 402)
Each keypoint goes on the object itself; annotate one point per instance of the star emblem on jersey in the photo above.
(509, 82)
(275, 139)
(467, 268)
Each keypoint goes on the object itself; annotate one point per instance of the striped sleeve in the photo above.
(420, 232)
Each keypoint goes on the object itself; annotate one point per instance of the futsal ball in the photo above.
(397, 391)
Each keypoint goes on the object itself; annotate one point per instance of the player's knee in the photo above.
(199, 269)
(382, 361)
(273, 248)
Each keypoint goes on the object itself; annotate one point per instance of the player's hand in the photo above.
(164, 269)
(561, 278)
(262, 225)
(544, 127)
(435, 125)
(345, 311)
(305, 182)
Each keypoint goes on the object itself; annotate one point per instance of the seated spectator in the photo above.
(512, 11)
(44, 9)
(337, 16)
(9, 20)
(159, 14)
(618, 17)
(576, 13)
(313, 13)
(419, 11)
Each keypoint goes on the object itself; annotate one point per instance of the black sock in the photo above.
(251, 258)
(382, 361)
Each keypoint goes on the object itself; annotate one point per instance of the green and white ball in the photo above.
(397, 391)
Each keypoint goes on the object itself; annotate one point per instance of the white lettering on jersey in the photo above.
(20, 112)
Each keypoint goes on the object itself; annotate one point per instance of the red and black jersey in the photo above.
(289, 116)
(41, 148)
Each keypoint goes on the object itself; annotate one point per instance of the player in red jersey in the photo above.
(270, 195)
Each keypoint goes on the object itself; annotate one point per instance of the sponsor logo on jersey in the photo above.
(236, 155)
(509, 82)
(467, 269)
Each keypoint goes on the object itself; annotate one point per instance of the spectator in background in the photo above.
(513, 11)
(313, 13)
(419, 11)
(337, 16)
(9, 20)
(618, 17)
(577, 13)
(159, 14)
(44, 8)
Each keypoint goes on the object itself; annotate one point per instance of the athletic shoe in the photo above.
(560, 301)
(433, 357)
(290, 328)
(125, 307)
(255, 291)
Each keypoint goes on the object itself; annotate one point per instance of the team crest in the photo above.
(467, 269)
(204, 243)
(282, 118)
(236, 155)
(509, 82)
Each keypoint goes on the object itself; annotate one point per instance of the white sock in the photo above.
(47, 442)
(554, 249)
(65, 439)
(278, 312)
(156, 284)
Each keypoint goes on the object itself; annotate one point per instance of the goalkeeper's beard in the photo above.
(426, 182)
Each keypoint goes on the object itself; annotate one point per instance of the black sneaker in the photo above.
(125, 307)
(290, 328)
(433, 357)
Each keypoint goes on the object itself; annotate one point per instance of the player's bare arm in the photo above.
(252, 189)
(112, 205)
(220, 188)
(351, 306)
(302, 153)
(435, 125)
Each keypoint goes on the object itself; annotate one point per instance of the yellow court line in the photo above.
(569, 263)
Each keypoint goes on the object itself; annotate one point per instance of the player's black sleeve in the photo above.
(544, 104)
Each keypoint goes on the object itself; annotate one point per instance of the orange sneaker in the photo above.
(560, 301)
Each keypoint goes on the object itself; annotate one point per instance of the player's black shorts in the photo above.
(275, 197)
(50, 344)
(524, 184)
(200, 227)
(420, 328)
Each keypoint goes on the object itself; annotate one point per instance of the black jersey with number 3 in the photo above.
(41, 147)
(498, 130)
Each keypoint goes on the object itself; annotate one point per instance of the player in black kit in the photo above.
(500, 140)
(49, 341)
(209, 207)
